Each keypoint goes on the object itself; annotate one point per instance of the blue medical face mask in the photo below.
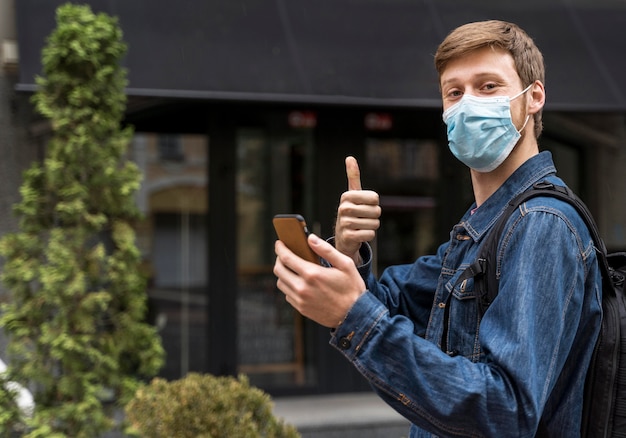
(481, 133)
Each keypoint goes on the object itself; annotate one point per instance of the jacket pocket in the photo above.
(463, 321)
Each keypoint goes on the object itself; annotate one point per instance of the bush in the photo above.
(10, 416)
(204, 406)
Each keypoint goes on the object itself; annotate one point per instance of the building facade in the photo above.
(243, 110)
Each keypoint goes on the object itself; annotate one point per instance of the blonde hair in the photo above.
(499, 34)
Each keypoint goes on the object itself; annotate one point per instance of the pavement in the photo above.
(362, 415)
(352, 415)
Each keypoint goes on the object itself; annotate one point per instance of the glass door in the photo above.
(405, 172)
(274, 175)
(173, 240)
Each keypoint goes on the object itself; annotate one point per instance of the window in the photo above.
(170, 148)
(405, 173)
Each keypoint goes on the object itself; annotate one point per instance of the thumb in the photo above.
(328, 252)
(353, 173)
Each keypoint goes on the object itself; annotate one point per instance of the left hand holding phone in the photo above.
(322, 294)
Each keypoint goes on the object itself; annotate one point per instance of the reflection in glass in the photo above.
(273, 176)
(405, 173)
(173, 240)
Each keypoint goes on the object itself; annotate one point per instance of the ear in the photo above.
(537, 97)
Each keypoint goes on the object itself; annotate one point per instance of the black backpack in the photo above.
(604, 407)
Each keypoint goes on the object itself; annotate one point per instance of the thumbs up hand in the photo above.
(358, 214)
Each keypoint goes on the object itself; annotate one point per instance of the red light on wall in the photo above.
(378, 121)
(302, 119)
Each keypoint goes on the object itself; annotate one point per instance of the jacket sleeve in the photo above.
(507, 390)
(400, 294)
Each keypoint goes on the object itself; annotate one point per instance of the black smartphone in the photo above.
(292, 230)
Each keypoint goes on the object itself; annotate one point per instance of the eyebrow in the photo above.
(479, 76)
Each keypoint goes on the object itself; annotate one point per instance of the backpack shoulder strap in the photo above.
(484, 272)
(488, 290)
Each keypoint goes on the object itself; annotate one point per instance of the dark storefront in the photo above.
(245, 109)
(261, 161)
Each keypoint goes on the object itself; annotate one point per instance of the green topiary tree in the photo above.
(75, 317)
(204, 406)
(11, 420)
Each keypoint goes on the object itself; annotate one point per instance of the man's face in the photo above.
(483, 73)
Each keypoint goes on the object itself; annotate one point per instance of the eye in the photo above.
(453, 94)
(489, 86)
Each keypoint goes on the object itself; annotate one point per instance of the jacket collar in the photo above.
(535, 169)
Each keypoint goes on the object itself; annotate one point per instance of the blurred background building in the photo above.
(243, 109)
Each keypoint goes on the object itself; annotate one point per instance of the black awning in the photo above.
(361, 52)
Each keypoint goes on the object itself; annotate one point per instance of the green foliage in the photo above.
(10, 416)
(76, 312)
(204, 406)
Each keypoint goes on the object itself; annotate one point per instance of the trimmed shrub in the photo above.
(11, 420)
(204, 406)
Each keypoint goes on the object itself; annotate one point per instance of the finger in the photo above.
(353, 208)
(353, 173)
(286, 257)
(328, 252)
(285, 274)
(360, 197)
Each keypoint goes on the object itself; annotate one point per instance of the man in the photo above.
(520, 370)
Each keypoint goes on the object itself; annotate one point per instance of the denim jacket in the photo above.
(525, 360)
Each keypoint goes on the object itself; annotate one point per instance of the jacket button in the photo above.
(344, 343)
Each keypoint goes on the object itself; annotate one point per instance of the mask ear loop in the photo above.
(521, 92)
(524, 125)
(527, 115)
